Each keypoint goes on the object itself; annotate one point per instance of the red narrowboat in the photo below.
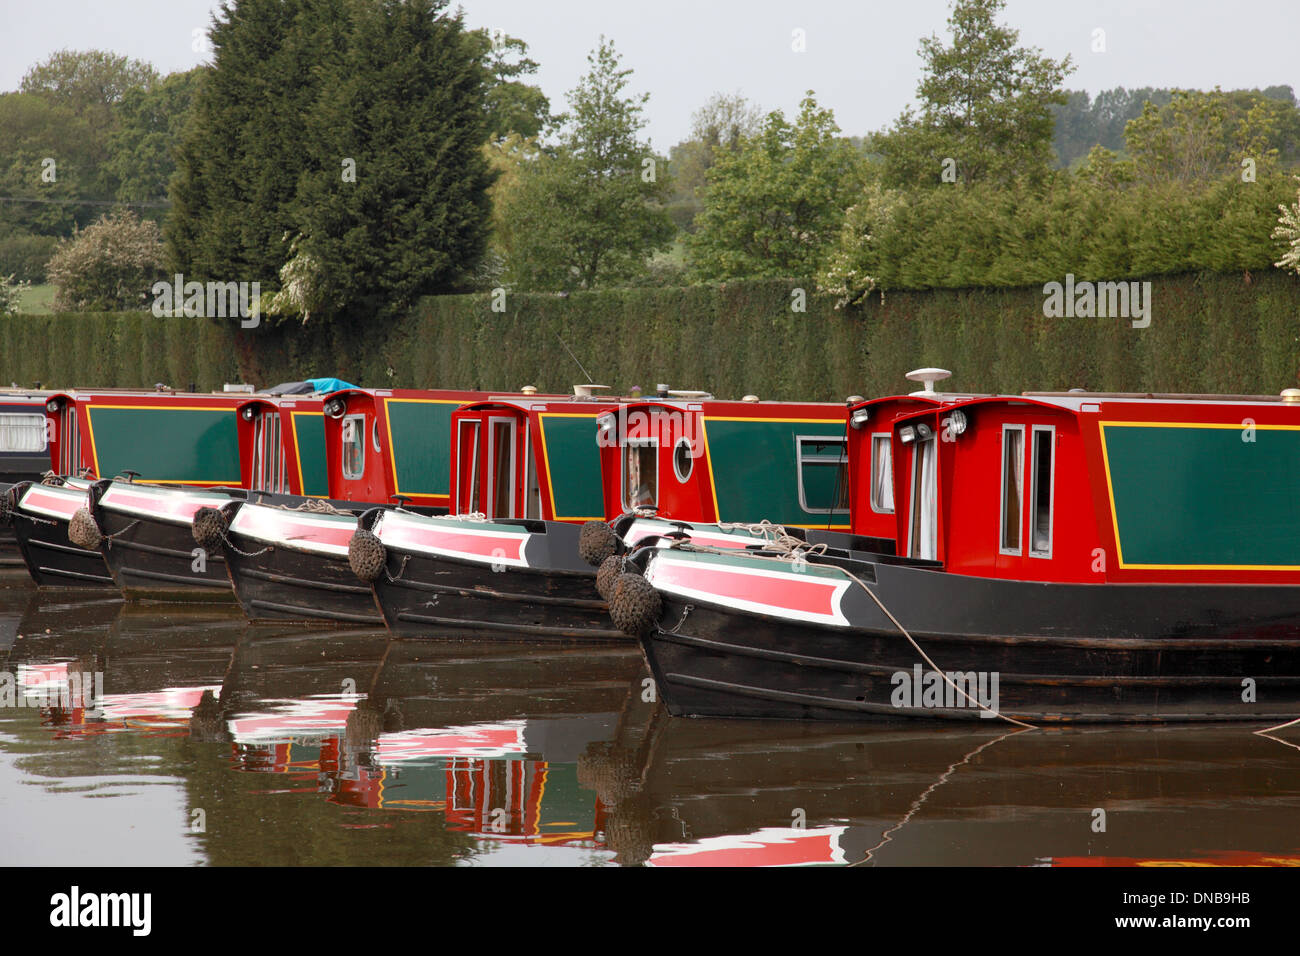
(524, 472)
(1062, 557)
(288, 559)
(710, 469)
(160, 437)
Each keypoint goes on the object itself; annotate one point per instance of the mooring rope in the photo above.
(789, 549)
(314, 506)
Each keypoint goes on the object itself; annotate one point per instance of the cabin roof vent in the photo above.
(586, 391)
(928, 376)
(688, 393)
(750, 398)
(1291, 396)
(854, 400)
(529, 390)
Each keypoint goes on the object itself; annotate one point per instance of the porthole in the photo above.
(683, 459)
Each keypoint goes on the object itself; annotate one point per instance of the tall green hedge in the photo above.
(1209, 332)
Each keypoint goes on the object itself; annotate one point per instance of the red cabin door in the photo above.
(491, 465)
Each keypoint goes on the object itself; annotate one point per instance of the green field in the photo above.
(38, 300)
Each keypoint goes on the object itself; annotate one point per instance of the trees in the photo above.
(340, 139)
(590, 210)
(109, 265)
(985, 105)
(512, 106)
(90, 83)
(773, 207)
(149, 122)
(724, 122)
(406, 112)
(1288, 231)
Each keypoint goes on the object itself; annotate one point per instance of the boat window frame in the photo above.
(491, 473)
(360, 432)
(37, 420)
(1035, 431)
(532, 487)
(914, 495)
(842, 483)
(887, 439)
(648, 441)
(70, 444)
(683, 442)
(472, 504)
(1019, 551)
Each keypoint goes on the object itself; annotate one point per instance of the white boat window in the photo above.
(640, 473)
(1040, 530)
(354, 446)
(882, 474)
(22, 433)
(1013, 488)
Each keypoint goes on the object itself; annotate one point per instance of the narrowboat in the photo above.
(24, 456)
(287, 559)
(43, 513)
(683, 464)
(1062, 557)
(711, 469)
(524, 473)
(173, 438)
(172, 454)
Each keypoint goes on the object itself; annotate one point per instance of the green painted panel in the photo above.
(1198, 496)
(309, 427)
(421, 433)
(574, 461)
(167, 444)
(756, 471)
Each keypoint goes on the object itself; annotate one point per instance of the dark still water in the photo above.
(148, 734)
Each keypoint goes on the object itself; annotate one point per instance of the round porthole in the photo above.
(683, 460)
(374, 435)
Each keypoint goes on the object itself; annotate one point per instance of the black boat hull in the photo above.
(52, 560)
(1036, 652)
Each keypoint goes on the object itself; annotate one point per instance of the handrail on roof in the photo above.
(1166, 396)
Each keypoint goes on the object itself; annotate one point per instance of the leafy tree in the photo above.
(773, 207)
(512, 106)
(407, 109)
(108, 266)
(722, 123)
(340, 140)
(590, 211)
(238, 166)
(1288, 231)
(47, 152)
(1205, 135)
(985, 104)
(90, 83)
(150, 122)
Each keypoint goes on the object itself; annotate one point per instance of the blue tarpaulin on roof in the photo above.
(324, 386)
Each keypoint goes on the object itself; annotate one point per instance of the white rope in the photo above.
(790, 549)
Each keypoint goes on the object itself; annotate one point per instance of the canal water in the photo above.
(152, 734)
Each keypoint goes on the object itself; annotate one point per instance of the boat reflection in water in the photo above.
(299, 747)
(720, 793)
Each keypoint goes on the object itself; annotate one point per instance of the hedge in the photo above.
(1208, 332)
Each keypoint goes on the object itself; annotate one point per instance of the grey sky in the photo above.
(861, 57)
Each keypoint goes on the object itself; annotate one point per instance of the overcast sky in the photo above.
(860, 57)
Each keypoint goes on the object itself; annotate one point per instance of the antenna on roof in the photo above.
(574, 357)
